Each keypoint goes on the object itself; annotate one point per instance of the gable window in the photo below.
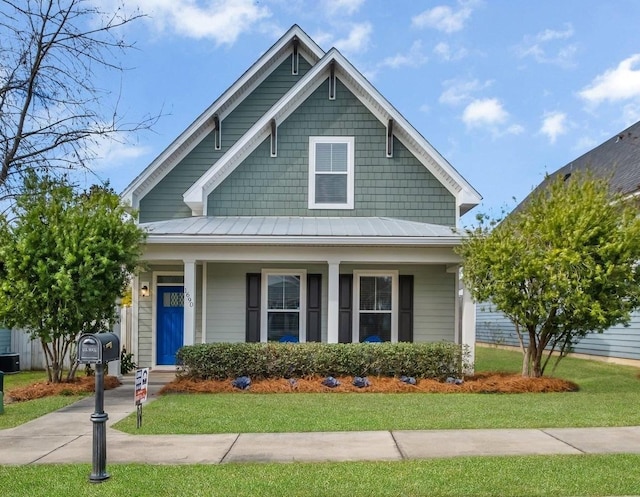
(331, 172)
(376, 306)
(284, 307)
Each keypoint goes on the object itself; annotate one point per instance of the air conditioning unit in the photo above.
(9, 363)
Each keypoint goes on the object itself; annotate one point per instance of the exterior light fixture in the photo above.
(144, 289)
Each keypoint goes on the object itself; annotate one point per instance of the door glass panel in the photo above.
(173, 299)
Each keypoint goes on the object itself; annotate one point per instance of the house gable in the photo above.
(398, 186)
(293, 41)
(334, 63)
(164, 200)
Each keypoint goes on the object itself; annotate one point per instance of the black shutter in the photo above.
(405, 314)
(345, 303)
(314, 299)
(253, 307)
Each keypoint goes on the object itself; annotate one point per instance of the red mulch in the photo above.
(84, 384)
(481, 383)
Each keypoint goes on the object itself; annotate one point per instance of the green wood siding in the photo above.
(434, 299)
(493, 327)
(434, 296)
(398, 187)
(226, 298)
(165, 200)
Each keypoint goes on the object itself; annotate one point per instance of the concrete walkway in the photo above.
(66, 436)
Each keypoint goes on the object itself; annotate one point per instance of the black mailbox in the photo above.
(98, 348)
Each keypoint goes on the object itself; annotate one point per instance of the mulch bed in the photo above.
(81, 385)
(480, 383)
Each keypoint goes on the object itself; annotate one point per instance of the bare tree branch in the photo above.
(53, 54)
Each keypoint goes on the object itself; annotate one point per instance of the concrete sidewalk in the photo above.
(65, 436)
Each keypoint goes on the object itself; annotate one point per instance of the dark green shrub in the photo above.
(127, 363)
(287, 360)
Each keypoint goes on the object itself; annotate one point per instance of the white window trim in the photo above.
(350, 141)
(394, 302)
(302, 274)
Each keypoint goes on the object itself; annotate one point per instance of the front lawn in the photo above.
(530, 476)
(17, 413)
(609, 396)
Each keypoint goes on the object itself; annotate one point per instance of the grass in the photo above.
(18, 413)
(539, 476)
(609, 396)
(23, 378)
(615, 387)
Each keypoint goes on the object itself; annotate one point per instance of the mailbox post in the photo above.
(99, 349)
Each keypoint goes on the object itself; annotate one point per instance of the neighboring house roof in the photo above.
(300, 230)
(196, 196)
(617, 160)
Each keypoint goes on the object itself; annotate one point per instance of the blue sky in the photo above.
(506, 90)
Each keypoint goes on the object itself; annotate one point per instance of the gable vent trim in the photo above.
(390, 138)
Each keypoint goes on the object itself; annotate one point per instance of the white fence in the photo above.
(32, 355)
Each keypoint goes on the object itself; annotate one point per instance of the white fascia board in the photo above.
(189, 138)
(378, 241)
(290, 254)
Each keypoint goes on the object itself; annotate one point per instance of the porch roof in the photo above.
(300, 230)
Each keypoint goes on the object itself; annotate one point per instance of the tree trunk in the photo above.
(525, 362)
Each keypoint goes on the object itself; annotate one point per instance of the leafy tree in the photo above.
(53, 53)
(66, 258)
(562, 265)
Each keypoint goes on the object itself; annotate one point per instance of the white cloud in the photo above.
(545, 49)
(483, 112)
(444, 18)
(631, 114)
(489, 114)
(584, 144)
(551, 34)
(338, 6)
(413, 58)
(322, 38)
(111, 154)
(460, 91)
(514, 129)
(445, 52)
(357, 40)
(218, 20)
(621, 83)
(554, 124)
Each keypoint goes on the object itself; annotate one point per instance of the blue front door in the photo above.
(170, 323)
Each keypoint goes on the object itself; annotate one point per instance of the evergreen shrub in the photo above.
(220, 361)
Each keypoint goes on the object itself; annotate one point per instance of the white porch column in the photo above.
(189, 302)
(333, 311)
(135, 302)
(114, 366)
(468, 321)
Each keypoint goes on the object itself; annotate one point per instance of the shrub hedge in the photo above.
(219, 361)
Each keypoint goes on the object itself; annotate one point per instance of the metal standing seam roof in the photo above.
(293, 227)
